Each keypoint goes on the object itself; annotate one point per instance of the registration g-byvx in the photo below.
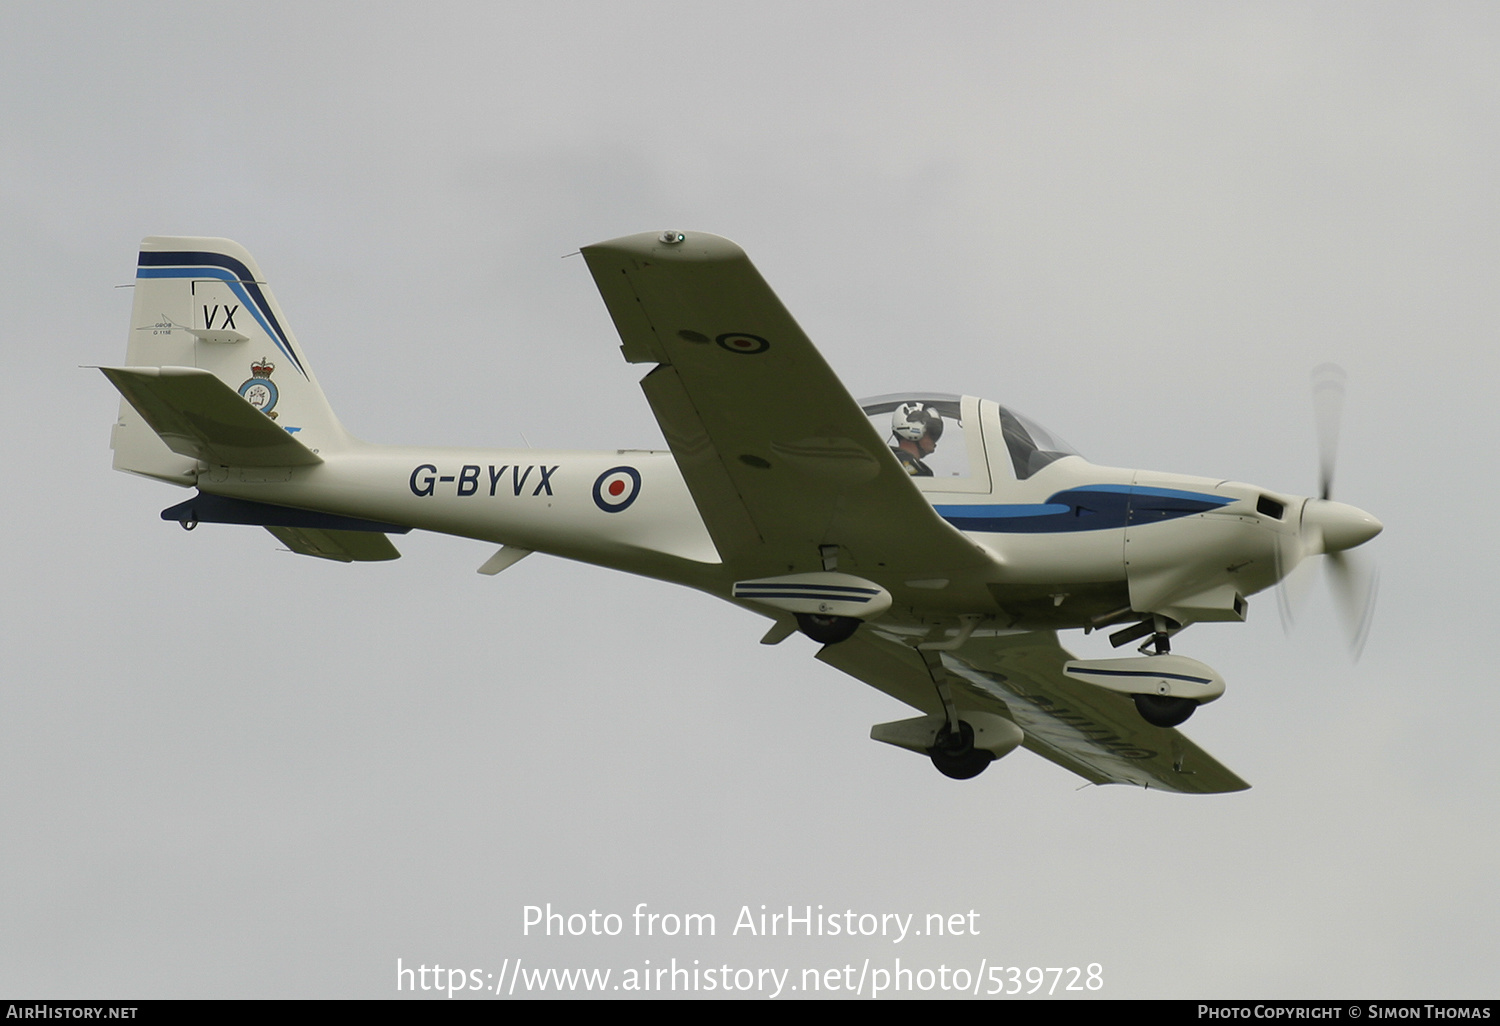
(932, 545)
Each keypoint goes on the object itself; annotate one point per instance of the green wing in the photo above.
(1095, 733)
(778, 456)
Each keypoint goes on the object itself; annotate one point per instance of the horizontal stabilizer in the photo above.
(344, 546)
(197, 415)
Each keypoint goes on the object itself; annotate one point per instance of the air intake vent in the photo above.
(1269, 507)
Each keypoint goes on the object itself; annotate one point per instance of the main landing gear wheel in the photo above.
(827, 630)
(1164, 710)
(955, 755)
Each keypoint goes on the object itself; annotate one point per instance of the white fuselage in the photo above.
(631, 510)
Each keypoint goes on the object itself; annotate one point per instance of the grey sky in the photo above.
(230, 771)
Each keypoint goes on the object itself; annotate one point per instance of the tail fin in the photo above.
(202, 303)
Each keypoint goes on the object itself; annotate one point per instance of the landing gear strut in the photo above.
(1161, 637)
(953, 751)
(1162, 710)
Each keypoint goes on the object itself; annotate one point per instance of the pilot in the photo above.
(917, 428)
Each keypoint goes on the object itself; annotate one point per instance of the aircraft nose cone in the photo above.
(1340, 526)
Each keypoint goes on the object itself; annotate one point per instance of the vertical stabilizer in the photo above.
(203, 303)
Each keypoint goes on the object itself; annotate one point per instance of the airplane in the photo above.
(932, 545)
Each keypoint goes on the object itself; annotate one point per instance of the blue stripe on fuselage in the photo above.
(1100, 507)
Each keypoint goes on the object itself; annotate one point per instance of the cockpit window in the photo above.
(925, 430)
(935, 442)
(1031, 446)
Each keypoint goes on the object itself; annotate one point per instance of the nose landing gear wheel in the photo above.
(955, 756)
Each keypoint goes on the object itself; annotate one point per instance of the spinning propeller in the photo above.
(1332, 528)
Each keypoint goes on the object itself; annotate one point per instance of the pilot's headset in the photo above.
(913, 420)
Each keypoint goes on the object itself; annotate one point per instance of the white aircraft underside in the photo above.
(780, 493)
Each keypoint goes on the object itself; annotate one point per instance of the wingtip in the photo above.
(670, 245)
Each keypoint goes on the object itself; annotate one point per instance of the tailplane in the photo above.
(206, 331)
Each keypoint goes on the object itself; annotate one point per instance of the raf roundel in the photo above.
(742, 342)
(616, 489)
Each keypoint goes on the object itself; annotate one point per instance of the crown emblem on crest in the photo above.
(262, 368)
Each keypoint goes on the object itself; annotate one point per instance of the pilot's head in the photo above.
(918, 423)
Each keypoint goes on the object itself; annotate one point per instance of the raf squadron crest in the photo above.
(260, 390)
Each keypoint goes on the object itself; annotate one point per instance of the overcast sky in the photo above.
(226, 770)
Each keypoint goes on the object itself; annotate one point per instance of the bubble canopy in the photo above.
(1030, 446)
